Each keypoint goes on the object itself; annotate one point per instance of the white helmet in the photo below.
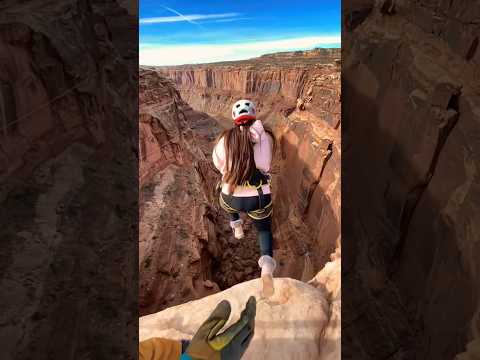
(243, 111)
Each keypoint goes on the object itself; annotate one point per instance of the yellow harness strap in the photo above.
(258, 214)
(225, 206)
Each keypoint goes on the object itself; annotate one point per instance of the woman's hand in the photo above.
(256, 131)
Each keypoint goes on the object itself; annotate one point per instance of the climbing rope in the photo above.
(51, 101)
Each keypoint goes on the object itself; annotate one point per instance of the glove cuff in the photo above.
(185, 356)
(185, 344)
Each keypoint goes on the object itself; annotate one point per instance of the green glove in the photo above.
(230, 344)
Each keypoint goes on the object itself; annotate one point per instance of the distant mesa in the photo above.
(300, 57)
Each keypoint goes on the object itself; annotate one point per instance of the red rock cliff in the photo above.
(174, 226)
(275, 82)
(410, 117)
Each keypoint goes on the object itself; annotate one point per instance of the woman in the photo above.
(243, 155)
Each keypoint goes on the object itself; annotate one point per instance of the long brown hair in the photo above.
(240, 163)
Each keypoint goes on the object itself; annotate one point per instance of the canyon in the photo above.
(177, 174)
(187, 250)
(68, 167)
(410, 117)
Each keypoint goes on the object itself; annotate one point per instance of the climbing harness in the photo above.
(264, 210)
(259, 214)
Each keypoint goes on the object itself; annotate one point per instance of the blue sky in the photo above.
(174, 32)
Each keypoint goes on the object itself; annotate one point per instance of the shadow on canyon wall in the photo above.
(305, 224)
(408, 287)
(69, 180)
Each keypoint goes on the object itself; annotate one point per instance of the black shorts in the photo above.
(257, 207)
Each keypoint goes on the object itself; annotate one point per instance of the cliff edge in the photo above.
(300, 321)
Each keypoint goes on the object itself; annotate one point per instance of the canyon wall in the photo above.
(274, 82)
(306, 177)
(68, 143)
(410, 116)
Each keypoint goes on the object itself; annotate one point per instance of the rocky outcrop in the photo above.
(329, 280)
(283, 330)
(410, 234)
(172, 228)
(164, 135)
(320, 98)
(67, 168)
(298, 321)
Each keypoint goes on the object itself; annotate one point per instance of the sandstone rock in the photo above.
(413, 141)
(177, 240)
(330, 276)
(288, 326)
(249, 270)
(300, 104)
(208, 284)
(329, 279)
(472, 352)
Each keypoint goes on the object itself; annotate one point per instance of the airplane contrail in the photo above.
(181, 15)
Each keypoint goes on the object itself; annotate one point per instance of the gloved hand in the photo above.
(232, 343)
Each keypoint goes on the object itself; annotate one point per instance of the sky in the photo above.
(174, 32)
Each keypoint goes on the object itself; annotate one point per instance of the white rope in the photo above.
(51, 101)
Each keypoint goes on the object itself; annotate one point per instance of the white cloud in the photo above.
(204, 53)
(192, 17)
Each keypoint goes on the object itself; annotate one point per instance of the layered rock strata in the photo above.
(275, 82)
